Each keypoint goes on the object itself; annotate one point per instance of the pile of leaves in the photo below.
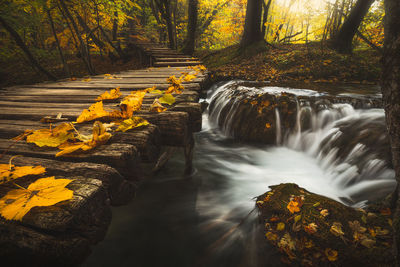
(313, 230)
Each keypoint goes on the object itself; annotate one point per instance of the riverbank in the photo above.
(296, 65)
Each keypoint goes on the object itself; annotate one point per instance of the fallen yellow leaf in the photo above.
(43, 192)
(167, 99)
(51, 137)
(10, 172)
(95, 111)
(132, 103)
(336, 229)
(100, 137)
(113, 94)
(131, 123)
(157, 107)
(293, 206)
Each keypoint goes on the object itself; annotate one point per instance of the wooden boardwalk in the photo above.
(110, 174)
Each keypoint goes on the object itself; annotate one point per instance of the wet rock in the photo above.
(252, 115)
(313, 230)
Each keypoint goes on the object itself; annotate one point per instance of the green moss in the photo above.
(273, 207)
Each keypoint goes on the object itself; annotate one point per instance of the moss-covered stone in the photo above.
(313, 230)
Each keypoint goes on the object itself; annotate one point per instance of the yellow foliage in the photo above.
(51, 137)
(100, 137)
(131, 123)
(293, 206)
(157, 107)
(336, 229)
(167, 99)
(189, 77)
(132, 103)
(44, 192)
(176, 86)
(10, 172)
(95, 111)
(113, 94)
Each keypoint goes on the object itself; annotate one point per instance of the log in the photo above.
(172, 124)
(195, 114)
(119, 190)
(61, 233)
(123, 157)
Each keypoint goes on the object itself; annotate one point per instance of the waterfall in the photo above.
(349, 145)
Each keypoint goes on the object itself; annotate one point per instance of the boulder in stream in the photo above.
(313, 230)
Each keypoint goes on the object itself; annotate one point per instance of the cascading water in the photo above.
(334, 150)
(310, 156)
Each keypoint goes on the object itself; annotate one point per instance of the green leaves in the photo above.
(168, 99)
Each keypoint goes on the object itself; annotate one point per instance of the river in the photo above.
(208, 219)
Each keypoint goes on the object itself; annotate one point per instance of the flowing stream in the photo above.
(207, 219)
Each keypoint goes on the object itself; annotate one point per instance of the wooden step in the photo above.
(177, 64)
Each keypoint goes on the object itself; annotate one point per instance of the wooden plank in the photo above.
(88, 97)
(192, 63)
(119, 190)
(122, 157)
(102, 86)
(145, 139)
(173, 125)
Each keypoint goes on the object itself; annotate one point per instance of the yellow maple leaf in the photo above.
(86, 80)
(157, 107)
(189, 77)
(10, 172)
(131, 123)
(132, 103)
(43, 192)
(113, 94)
(52, 137)
(100, 137)
(167, 99)
(293, 206)
(95, 111)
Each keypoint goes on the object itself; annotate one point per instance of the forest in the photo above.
(200, 132)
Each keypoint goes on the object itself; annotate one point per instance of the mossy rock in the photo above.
(313, 230)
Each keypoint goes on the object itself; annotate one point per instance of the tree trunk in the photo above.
(391, 97)
(115, 27)
(24, 48)
(191, 28)
(64, 62)
(342, 42)
(265, 16)
(252, 26)
(168, 20)
(85, 56)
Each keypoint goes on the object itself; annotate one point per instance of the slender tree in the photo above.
(191, 28)
(252, 26)
(391, 98)
(18, 40)
(342, 41)
(266, 7)
(60, 52)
